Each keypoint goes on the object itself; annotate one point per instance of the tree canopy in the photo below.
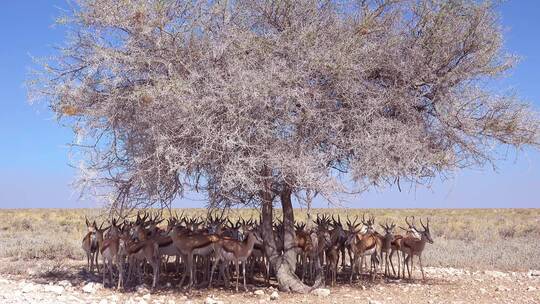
(165, 95)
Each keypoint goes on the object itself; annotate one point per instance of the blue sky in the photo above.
(34, 169)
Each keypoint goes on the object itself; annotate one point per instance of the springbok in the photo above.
(386, 248)
(92, 242)
(411, 231)
(412, 246)
(188, 245)
(230, 250)
(368, 244)
(113, 251)
(143, 249)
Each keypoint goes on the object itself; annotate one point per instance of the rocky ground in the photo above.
(443, 285)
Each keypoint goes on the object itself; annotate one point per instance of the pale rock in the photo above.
(482, 291)
(274, 296)
(103, 301)
(54, 288)
(147, 297)
(189, 302)
(501, 288)
(321, 292)
(28, 288)
(210, 300)
(65, 283)
(495, 274)
(92, 287)
(4, 281)
(373, 302)
(259, 292)
(142, 289)
(534, 273)
(531, 288)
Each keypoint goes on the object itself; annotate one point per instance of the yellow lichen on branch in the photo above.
(70, 110)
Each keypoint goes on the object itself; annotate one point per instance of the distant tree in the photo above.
(250, 100)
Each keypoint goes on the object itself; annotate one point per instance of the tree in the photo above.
(250, 100)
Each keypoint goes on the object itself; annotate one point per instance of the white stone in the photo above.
(147, 296)
(29, 287)
(274, 296)
(142, 289)
(92, 287)
(374, 302)
(65, 283)
(54, 288)
(321, 292)
(103, 301)
(483, 291)
(534, 273)
(210, 300)
(495, 274)
(531, 288)
(259, 292)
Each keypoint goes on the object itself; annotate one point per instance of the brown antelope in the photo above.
(304, 245)
(112, 252)
(92, 242)
(342, 238)
(386, 247)
(411, 231)
(230, 250)
(188, 245)
(331, 247)
(412, 246)
(368, 244)
(143, 249)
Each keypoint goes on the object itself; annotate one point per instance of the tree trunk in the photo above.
(283, 264)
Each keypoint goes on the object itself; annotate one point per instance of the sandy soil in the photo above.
(443, 285)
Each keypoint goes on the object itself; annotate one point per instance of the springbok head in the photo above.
(322, 221)
(215, 224)
(352, 226)
(388, 228)
(369, 223)
(426, 234)
(412, 230)
(91, 227)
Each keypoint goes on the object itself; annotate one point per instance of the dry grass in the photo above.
(503, 239)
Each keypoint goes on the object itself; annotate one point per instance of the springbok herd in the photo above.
(127, 248)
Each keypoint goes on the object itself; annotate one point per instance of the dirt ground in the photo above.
(443, 285)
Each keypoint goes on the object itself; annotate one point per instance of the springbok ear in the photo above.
(87, 222)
